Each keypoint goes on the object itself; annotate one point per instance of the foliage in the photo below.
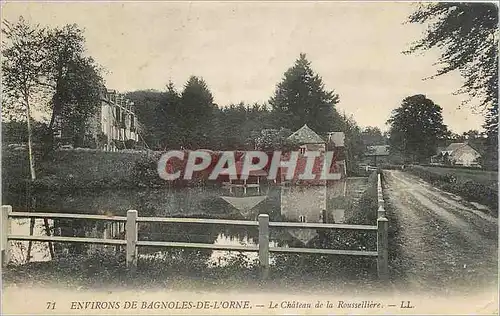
(189, 119)
(373, 136)
(22, 68)
(300, 98)
(168, 130)
(416, 122)
(49, 66)
(467, 34)
(230, 128)
(273, 139)
(145, 171)
(366, 213)
(236, 126)
(102, 140)
(353, 144)
(451, 181)
(130, 144)
(146, 103)
(119, 144)
(75, 80)
(16, 132)
(195, 113)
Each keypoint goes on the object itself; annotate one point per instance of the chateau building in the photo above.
(113, 126)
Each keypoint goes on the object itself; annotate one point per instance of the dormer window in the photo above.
(302, 219)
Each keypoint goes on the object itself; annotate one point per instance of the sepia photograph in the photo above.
(249, 158)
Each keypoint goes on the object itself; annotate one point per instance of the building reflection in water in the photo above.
(312, 204)
(309, 204)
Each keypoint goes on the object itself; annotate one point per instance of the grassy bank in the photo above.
(188, 270)
(488, 178)
(473, 185)
(366, 211)
(84, 169)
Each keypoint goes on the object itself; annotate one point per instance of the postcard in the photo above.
(249, 158)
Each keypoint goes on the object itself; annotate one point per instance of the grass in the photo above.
(188, 271)
(488, 178)
(472, 185)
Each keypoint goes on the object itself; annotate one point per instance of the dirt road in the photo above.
(438, 241)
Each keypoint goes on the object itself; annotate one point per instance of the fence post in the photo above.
(131, 234)
(6, 231)
(380, 212)
(380, 195)
(264, 245)
(382, 248)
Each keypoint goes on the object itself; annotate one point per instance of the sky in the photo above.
(242, 49)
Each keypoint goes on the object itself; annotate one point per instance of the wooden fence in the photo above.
(132, 242)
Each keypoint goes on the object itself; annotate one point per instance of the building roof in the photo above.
(454, 146)
(378, 150)
(451, 148)
(305, 135)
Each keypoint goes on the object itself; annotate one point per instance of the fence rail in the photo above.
(132, 242)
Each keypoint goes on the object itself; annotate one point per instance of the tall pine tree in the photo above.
(301, 98)
(195, 114)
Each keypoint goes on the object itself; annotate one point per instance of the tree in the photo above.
(195, 113)
(416, 127)
(235, 126)
(74, 79)
(167, 119)
(372, 136)
(467, 34)
(300, 98)
(146, 105)
(274, 139)
(354, 146)
(22, 70)
(50, 65)
(16, 132)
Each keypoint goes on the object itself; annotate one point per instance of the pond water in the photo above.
(294, 203)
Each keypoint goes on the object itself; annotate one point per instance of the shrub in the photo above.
(130, 144)
(368, 204)
(145, 173)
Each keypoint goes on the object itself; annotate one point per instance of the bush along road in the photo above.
(439, 243)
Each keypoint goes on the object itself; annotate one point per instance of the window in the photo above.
(302, 150)
(302, 219)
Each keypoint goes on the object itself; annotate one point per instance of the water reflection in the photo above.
(330, 204)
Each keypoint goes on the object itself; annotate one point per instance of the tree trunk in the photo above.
(32, 167)
(49, 137)
(30, 145)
